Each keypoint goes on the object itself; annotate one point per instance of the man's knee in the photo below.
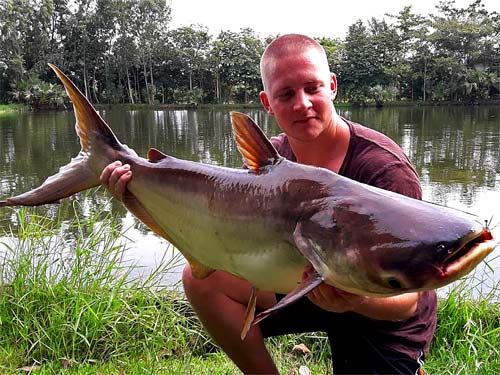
(205, 287)
(189, 282)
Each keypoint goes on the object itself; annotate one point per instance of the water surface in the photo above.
(456, 151)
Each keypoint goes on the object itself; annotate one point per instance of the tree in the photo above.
(462, 38)
(150, 20)
(235, 61)
(361, 63)
(414, 52)
(192, 44)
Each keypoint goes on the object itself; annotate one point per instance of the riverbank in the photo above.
(81, 313)
(5, 108)
(239, 107)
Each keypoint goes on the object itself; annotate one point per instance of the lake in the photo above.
(456, 151)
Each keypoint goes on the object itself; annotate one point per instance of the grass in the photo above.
(467, 339)
(10, 107)
(69, 304)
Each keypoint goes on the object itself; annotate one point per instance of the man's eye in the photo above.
(313, 89)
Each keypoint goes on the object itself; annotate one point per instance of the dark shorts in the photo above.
(353, 350)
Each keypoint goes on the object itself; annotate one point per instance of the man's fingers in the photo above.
(116, 174)
(106, 173)
(115, 178)
(121, 185)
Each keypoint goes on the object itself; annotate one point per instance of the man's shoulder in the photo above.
(374, 141)
(375, 159)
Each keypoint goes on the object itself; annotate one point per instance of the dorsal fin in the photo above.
(155, 155)
(256, 149)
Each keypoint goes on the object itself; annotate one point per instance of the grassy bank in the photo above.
(82, 312)
(4, 108)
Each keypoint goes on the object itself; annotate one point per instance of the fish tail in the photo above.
(99, 147)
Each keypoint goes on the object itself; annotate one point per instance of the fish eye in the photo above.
(394, 283)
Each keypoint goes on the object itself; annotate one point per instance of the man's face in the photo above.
(298, 92)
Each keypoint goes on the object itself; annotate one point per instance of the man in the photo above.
(367, 335)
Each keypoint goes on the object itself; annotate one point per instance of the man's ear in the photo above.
(333, 85)
(265, 102)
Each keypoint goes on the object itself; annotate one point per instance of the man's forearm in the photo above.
(389, 308)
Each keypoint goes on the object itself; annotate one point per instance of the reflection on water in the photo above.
(456, 151)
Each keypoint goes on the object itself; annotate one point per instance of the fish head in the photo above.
(383, 243)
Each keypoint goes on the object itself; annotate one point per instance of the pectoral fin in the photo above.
(198, 270)
(133, 205)
(308, 284)
(306, 248)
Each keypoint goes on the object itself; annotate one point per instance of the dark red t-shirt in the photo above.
(373, 158)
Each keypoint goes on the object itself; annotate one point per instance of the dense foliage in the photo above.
(121, 51)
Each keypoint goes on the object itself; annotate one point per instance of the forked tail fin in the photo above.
(99, 147)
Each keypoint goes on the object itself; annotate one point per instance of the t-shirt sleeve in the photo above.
(280, 142)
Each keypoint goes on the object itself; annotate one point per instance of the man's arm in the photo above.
(388, 308)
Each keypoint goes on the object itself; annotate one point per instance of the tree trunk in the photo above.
(217, 86)
(151, 70)
(146, 81)
(130, 96)
(85, 80)
(153, 90)
(425, 78)
(95, 88)
(137, 86)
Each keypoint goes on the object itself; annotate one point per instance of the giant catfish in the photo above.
(267, 223)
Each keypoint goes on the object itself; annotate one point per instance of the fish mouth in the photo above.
(474, 249)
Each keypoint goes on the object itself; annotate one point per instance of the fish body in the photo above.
(267, 223)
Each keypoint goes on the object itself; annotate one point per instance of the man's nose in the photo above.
(302, 101)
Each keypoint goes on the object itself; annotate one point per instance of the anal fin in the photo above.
(198, 270)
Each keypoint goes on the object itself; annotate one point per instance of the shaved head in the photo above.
(286, 45)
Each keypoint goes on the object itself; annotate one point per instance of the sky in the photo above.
(316, 18)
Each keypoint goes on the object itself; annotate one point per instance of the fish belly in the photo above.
(256, 249)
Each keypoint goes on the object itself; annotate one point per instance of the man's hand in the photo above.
(386, 308)
(332, 299)
(115, 178)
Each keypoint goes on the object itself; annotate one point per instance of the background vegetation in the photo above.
(121, 51)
